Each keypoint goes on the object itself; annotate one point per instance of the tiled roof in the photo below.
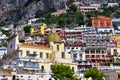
(5, 71)
(35, 46)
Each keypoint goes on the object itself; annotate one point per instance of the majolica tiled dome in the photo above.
(53, 37)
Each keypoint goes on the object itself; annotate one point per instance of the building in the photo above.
(85, 9)
(116, 23)
(38, 30)
(116, 38)
(3, 51)
(29, 58)
(112, 4)
(105, 30)
(96, 49)
(58, 13)
(101, 21)
(5, 74)
(115, 52)
(67, 34)
(3, 38)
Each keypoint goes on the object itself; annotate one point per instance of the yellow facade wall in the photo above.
(118, 44)
(41, 30)
(115, 37)
(47, 62)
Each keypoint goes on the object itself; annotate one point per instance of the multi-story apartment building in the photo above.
(105, 30)
(67, 34)
(96, 48)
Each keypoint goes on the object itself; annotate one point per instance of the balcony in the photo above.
(29, 65)
(95, 47)
(32, 65)
(74, 44)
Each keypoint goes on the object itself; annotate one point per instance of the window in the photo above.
(47, 55)
(50, 66)
(20, 52)
(72, 47)
(63, 55)
(41, 55)
(34, 52)
(29, 76)
(27, 53)
(102, 51)
(74, 55)
(42, 68)
(10, 46)
(68, 47)
(115, 52)
(57, 47)
(73, 68)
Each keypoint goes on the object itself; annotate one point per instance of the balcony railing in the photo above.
(74, 44)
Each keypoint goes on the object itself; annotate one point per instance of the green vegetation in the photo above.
(94, 73)
(114, 63)
(70, 19)
(7, 33)
(73, 7)
(27, 29)
(62, 72)
(105, 11)
(74, 18)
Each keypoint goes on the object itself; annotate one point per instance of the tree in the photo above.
(94, 73)
(73, 7)
(27, 29)
(62, 72)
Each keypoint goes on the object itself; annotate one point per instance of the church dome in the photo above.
(53, 37)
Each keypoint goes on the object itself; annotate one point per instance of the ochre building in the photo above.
(101, 21)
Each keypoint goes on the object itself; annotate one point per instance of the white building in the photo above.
(40, 76)
(105, 30)
(3, 51)
(112, 4)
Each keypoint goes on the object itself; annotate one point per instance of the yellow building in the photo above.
(38, 30)
(116, 38)
(118, 44)
(43, 57)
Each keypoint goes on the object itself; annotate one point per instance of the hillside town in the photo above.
(28, 51)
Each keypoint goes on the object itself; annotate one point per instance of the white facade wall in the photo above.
(12, 44)
(41, 76)
(3, 50)
(105, 30)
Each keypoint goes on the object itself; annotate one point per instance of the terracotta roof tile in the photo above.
(5, 71)
(35, 46)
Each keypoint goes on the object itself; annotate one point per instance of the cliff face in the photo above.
(22, 10)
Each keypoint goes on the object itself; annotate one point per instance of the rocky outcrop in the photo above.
(22, 10)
